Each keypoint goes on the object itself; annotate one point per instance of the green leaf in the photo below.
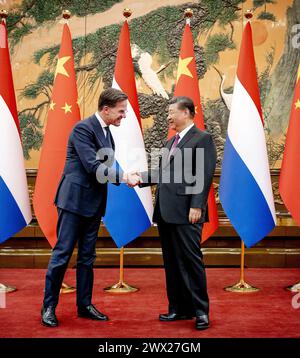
(216, 44)
(266, 16)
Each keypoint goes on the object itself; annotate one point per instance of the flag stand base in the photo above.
(65, 288)
(241, 287)
(121, 287)
(294, 288)
(7, 289)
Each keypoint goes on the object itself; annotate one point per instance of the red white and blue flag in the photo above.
(129, 210)
(15, 212)
(245, 186)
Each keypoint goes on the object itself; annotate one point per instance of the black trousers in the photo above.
(184, 268)
(72, 228)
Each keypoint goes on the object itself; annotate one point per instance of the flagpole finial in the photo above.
(127, 13)
(66, 14)
(248, 14)
(3, 14)
(188, 13)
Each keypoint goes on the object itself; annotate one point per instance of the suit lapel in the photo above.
(98, 130)
(170, 143)
(189, 135)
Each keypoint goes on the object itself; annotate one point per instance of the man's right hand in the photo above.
(132, 179)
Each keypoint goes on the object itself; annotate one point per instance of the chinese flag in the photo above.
(187, 85)
(289, 183)
(62, 115)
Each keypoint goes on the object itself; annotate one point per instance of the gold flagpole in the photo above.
(242, 286)
(65, 288)
(121, 286)
(3, 287)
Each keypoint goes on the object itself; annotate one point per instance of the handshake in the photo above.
(132, 179)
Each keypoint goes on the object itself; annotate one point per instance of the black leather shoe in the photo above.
(202, 322)
(91, 312)
(169, 317)
(48, 317)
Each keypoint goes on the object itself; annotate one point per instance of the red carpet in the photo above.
(268, 313)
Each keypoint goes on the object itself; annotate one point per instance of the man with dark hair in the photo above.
(180, 211)
(110, 97)
(183, 103)
(81, 202)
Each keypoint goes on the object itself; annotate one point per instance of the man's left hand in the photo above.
(194, 215)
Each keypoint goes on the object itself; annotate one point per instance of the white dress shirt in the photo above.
(184, 132)
(102, 123)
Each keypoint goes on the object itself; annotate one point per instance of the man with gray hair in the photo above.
(184, 178)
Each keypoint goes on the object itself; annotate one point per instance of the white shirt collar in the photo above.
(102, 123)
(184, 132)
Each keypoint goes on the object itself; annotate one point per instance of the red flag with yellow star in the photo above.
(187, 85)
(289, 183)
(63, 113)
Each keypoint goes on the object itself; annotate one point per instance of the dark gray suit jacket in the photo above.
(79, 191)
(174, 199)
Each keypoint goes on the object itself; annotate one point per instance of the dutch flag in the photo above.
(129, 210)
(245, 186)
(15, 211)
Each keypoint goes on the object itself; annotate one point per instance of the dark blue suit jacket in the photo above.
(79, 190)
